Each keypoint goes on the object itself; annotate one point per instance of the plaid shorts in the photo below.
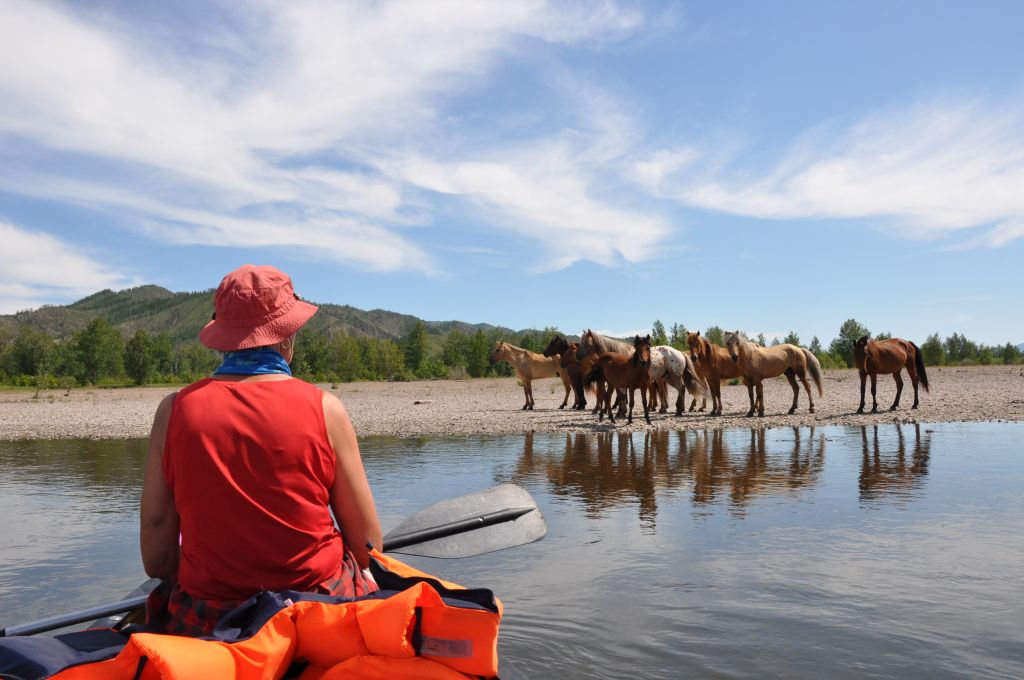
(170, 609)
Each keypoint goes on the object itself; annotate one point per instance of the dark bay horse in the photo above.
(623, 373)
(874, 357)
(575, 369)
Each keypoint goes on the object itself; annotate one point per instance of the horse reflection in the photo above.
(885, 468)
(612, 469)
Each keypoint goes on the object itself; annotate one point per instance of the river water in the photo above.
(888, 551)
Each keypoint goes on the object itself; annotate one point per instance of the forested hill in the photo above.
(158, 310)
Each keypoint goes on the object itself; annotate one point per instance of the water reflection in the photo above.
(609, 469)
(885, 468)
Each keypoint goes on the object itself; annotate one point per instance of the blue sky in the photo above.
(764, 166)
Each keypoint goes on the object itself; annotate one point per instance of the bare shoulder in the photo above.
(163, 411)
(333, 406)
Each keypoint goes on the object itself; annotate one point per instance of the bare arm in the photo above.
(158, 526)
(351, 498)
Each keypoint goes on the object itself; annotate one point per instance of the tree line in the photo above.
(100, 354)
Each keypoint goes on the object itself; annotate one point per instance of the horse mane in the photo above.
(605, 344)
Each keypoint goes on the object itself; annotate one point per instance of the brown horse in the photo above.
(757, 363)
(575, 369)
(715, 366)
(623, 373)
(874, 357)
(529, 366)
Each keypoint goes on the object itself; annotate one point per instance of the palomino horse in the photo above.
(574, 369)
(714, 364)
(529, 366)
(874, 357)
(623, 373)
(757, 363)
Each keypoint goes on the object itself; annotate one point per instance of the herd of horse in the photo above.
(609, 368)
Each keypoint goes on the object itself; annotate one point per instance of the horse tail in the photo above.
(815, 368)
(919, 365)
(590, 378)
(693, 383)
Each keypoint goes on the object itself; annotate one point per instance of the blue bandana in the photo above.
(257, 361)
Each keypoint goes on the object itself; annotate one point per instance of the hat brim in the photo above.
(225, 338)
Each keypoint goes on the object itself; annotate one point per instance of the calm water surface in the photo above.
(801, 553)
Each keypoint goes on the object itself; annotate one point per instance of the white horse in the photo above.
(672, 367)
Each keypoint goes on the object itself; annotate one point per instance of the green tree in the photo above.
(793, 339)
(932, 351)
(139, 358)
(985, 356)
(658, 334)
(478, 356)
(29, 351)
(761, 340)
(815, 347)
(312, 355)
(163, 354)
(384, 359)
(959, 348)
(715, 335)
(195, 360)
(346, 358)
(677, 336)
(883, 336)
(99, 350)
(1010, 354)
(842, 346)
(455, 349)
(414, 345)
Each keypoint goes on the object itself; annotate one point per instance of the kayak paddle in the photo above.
(501, 517)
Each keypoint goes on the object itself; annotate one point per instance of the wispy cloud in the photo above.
(265, 126)
(37, 267)
(929, 170)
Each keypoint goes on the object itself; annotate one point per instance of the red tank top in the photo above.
(251, 467)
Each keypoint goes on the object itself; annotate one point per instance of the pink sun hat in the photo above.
(254, 306)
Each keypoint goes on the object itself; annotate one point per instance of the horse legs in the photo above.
(750, 393)
(629, 420)
(874, 401)
(760, 398)
(663, 393)
(807, 388)
(899, 389)
(620, 401)
(680, 401)
(647, 416)
(716, 397)
(568, 391)
(796, 389)
(863, 380)
(526, 393)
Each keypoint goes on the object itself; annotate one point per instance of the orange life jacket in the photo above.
(417, 626)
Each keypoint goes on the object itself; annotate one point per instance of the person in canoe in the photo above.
(245, 467)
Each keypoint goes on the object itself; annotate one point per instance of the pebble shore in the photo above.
(492, 406)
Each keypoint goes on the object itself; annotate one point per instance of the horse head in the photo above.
(642, 355)
(586, 345)
(558, 345)
(499, 352)
(732, 343)
(693, 341)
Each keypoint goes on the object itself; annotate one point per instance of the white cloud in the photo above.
(930, 170)
(270, 134)
(38, 267)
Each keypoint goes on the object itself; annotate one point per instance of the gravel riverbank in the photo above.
(492, 406)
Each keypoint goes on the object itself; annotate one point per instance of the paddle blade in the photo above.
(501, 517)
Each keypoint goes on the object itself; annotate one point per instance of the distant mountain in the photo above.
(181, 315)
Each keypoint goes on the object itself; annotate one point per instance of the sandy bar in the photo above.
(492, 406)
